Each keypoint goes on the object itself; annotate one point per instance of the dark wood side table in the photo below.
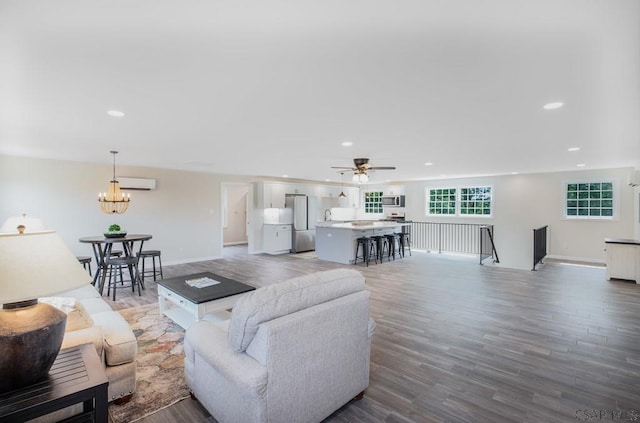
(77, 376)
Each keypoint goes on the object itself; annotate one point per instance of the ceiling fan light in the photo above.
(360, 178)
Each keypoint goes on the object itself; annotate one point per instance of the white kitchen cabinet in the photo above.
(274, 193)
(277, 239)
(353, 197)
(623, 259)
(393, 190)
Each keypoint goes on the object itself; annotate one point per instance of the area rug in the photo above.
(160, 378)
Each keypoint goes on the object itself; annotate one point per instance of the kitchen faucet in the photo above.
(327, 214)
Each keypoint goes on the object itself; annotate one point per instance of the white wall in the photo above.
(182, 214)
(525, 202)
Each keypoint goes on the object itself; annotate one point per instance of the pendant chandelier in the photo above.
(114, 201)
(342, 194)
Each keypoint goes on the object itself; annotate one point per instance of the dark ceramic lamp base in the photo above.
(31, 335)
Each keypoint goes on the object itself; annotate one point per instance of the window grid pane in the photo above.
(373, 202)
(475, 201)
(442, 201)
(594, 199)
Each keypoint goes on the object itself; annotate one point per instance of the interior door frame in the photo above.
(249, 212)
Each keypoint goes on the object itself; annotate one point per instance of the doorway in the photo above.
(235, 208)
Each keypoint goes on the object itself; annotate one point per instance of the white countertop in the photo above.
(362, 224)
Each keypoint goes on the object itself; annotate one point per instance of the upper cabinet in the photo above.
(353, 197)
(274, 193)
(394, 190)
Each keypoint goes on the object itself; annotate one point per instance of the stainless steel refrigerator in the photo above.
(305, 216)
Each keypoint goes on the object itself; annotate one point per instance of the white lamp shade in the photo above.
(39, 264)
(31, 224)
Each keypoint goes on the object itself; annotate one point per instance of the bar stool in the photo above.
(152, 254)
(394, 245)
(382, 243)
(368, 247)
(86, 263)
(116, 265)
(405, 242)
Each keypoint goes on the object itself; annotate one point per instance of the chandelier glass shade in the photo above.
(114, 201)
(360, 177)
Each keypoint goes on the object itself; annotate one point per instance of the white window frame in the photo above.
(616, 199)
(476, 187)
(458, 201)
(364, 201)
(428, 202)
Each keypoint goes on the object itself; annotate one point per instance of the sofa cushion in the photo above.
(77, 317)
(94, 305)
(273, 301)
(120, 345)
(87, 291)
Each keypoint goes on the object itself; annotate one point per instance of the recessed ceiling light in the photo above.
(115, 113)
(346, 144)
(285, 176)
(573, 149)
(428, 164)
(514, 173)
(554, 105)
(327, 180)
(581, 165)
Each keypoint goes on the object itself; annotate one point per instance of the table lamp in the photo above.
(22, 223)
(33, 265)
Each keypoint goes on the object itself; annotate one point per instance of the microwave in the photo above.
(393, 200)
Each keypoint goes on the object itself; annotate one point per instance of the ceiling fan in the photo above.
(361, 167)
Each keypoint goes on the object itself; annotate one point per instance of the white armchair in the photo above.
(294, 351)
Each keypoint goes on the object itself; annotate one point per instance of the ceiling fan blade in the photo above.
(382, 168)
(342, 167)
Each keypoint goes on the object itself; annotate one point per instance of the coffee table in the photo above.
(185, 304)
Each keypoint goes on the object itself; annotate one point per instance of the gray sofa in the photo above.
(294, 351)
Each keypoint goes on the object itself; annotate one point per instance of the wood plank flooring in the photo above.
(460, 342)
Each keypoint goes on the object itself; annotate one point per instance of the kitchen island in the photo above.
(337, 241)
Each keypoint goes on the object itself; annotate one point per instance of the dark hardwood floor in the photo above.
(460, 342)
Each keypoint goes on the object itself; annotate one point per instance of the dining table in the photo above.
(103, 247)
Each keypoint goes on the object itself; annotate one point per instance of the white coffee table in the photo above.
(185, 304)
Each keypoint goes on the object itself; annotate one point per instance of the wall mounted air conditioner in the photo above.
(142, 184)
(633, 179)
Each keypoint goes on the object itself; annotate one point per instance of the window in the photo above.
(475, 201)
(373, 202)
(587, 200)
(459, 201)
(442, 201)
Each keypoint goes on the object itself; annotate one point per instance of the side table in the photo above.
(77, 376)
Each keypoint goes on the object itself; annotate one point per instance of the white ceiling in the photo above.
(274, 87)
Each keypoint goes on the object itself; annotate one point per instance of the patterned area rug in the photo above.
(160, 378)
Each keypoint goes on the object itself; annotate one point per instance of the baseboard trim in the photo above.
(191, 260)
(586, 260)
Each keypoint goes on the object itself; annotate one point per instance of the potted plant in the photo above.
(115, 231)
